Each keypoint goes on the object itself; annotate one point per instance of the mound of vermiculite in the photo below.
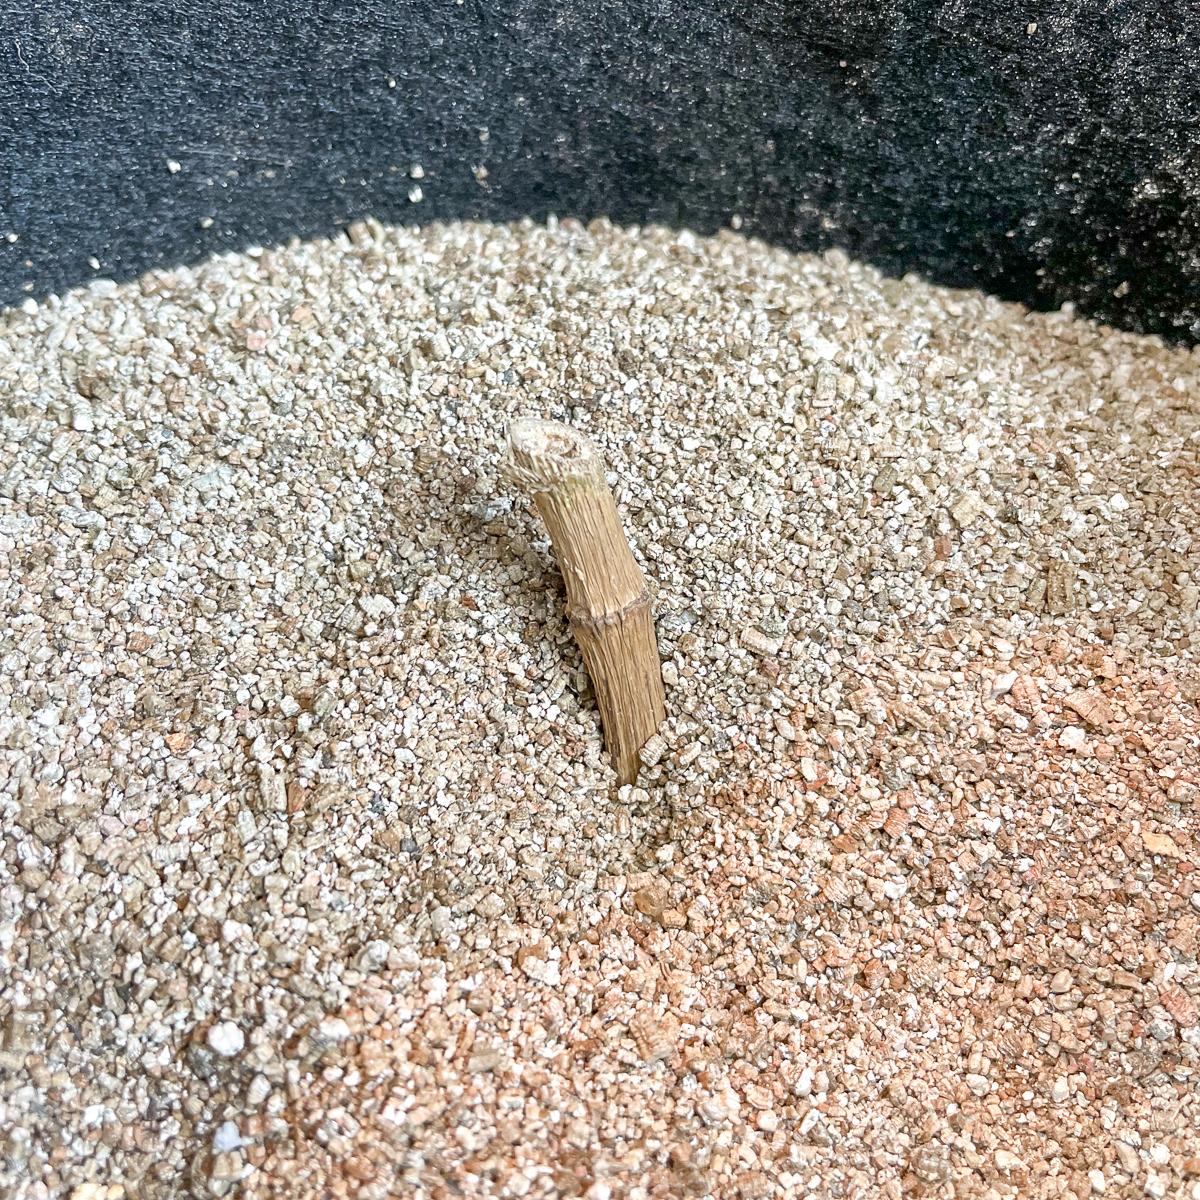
(316, 879)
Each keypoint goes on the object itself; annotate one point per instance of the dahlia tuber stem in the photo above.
(607, 601)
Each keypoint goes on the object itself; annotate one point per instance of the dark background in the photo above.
(1043, 151)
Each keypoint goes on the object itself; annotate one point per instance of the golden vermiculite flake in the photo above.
(1091, 706)
(1060, 588)
(1024, 696)
(655, 1037)
(966, 508)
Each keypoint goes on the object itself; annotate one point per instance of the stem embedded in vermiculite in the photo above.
(607, 600)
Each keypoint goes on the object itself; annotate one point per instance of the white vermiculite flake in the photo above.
(226, 1039)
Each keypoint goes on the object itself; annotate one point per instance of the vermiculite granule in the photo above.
(316, 879)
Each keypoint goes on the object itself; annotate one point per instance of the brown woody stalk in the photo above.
(607, 601)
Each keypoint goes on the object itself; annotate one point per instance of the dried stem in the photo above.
(607, 601)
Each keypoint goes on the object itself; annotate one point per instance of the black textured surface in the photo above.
(952, 138)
